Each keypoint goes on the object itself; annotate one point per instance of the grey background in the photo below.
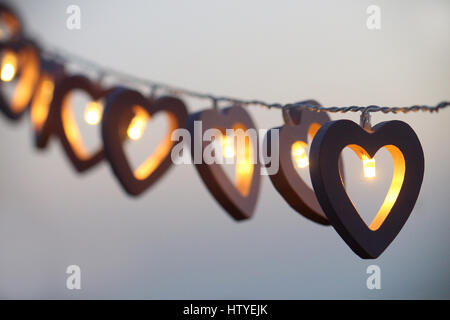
(175, 241)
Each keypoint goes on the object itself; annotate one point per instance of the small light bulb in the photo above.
(137, 125)
(9, 66)
(299, 154)
(93, 113)
(369, 167)
(227, 146)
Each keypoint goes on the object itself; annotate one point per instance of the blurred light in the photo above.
(299, 154)
(9, 66)
(93, 113)
(227, 146)
(41, 102)
(369, 167)
(137, 125)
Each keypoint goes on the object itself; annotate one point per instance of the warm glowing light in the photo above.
(9, 66)
(299, 154)
(227, 146)
(369, 167)
(93, 113)
(244, 162)
(41, 102)
(137, 125)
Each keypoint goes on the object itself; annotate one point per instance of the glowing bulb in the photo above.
(299, 154)
(227, 147)
(93, 113)
(137, 125)
(9, 66)
(369, 167)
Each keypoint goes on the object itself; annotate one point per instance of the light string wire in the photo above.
(63, 56)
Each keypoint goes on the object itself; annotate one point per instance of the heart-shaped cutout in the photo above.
(67, 127)
(143, 137)
(292, 145)
(19, 73)
(237, 197)
(368, 181)
(43, 116)
(125, 115)
(407, 154)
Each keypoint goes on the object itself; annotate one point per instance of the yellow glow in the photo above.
(227, 147)
(28, 64)
(161, 152)
(244, 164)
(299, 154)
(396, 184)
(71, 129)
(137, 125)
(394, 190)
(93, 113)
(41, 101)
(312, 130)
(9, 66)
(369, 167)
(245, 158)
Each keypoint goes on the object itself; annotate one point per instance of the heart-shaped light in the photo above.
(292, 147)
(126, 112)
(19, 63)
(43, 116)
(238, 198)
(407, 154)
(66, 125)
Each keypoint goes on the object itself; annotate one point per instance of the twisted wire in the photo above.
(63, 56)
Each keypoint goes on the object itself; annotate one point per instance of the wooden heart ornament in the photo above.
(407, 154)
(238, 198)
(67, 127)
(43, 116)
(19, 67)
(292, 147)
(121, 107)
(11, 24)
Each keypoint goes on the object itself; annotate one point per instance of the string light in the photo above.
(138, 124)
(369, 167)
(244, 166)
(93, 113)
(58, 52)
(9, 66)
(300, 155)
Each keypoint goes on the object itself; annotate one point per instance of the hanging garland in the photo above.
(44, 86)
